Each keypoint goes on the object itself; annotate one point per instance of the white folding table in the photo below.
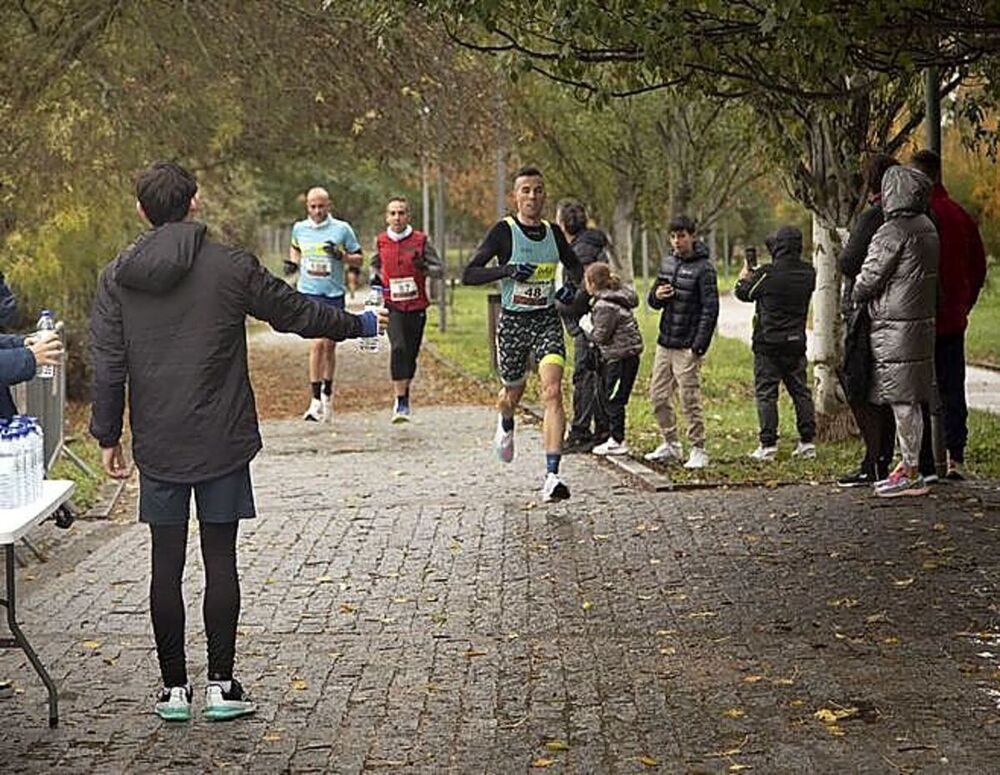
(14, 523)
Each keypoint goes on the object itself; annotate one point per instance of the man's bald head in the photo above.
(318, 204)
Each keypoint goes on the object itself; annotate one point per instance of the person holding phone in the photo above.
(781, 292)
(687, 294)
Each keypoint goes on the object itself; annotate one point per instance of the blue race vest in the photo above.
(538, 291)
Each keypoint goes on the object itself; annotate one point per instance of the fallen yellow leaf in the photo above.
(735, 713)
(835, 730)
(474, 653)
(902, 582)
(543, 761)
(739, 767)
(587, 605)
(752, 679)
(299, 685)
(91, 644)
(324, 579)
(557, 745)
(649, 761)
(831, 716)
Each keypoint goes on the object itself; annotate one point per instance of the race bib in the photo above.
(317, 266)
(403, 289)
(536, 290)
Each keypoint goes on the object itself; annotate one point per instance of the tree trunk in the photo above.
(621, 228)
(832, 420)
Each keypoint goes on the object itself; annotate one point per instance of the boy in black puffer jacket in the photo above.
(687, 293)
(781, 290)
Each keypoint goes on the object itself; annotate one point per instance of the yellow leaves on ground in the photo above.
(557, 745)
(542, 762)
(735, 713)
(903, 583)
(830, 717)
(587, 605)
(649, 761)
(348, 608)
(91, 644)
(299, 684)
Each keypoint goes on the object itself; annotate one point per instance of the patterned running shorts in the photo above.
(526, 337)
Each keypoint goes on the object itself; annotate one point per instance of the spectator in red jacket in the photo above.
(961, 273)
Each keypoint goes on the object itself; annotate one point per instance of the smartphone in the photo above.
(751, 256)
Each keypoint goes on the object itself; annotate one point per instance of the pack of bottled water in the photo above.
(22, 461)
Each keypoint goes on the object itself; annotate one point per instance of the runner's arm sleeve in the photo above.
(8, 303)
(271, 300)
(11, 341)
(435, 266)
(497, 244)
(107, 353)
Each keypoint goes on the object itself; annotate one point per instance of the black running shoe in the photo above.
(860, 478)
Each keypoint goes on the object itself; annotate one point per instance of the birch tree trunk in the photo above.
(827, 326)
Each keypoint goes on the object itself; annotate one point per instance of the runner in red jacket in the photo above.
(404, 259)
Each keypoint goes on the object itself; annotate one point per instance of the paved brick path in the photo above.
(409, 607)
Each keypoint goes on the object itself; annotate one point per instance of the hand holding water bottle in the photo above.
(45, 333)
(374, 320)
(47, 353)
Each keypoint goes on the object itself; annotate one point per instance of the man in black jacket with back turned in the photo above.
(169, 320)
(781, 291)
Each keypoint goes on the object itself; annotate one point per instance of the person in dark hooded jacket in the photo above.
(169, 323)
(589, 402)
(781, 291)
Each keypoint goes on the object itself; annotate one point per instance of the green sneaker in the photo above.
(174, 703)
(221, 705)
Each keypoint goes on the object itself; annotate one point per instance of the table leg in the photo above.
(22, 642)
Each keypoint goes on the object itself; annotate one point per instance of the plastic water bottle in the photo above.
(35, 446)
(23, 474)
(373, 302)
(46, 329)
(8, 469)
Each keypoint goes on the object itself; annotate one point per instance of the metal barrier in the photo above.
(45, 399)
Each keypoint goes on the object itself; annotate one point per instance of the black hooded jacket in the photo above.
(781, 290)
(169, 319)
(689, 316)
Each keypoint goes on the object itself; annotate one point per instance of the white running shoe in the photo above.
(805, 450)
(763, 453)
(326, 408)
(697, 459)
(611, 447)
(503, 442)
(554, 489)
(174, 703)
(400, 414)
(315, 411)
(221, 705)
(667, 452)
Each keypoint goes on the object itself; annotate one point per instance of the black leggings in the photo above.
(406, 332)
(221, 606)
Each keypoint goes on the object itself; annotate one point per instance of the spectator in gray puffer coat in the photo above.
(616, 333)
(898, 281)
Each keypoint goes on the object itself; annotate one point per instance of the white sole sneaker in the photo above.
(219, 707)
(503, 443)
(175, 704)
(554, 489)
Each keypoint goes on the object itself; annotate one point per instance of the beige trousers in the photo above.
(673, 369)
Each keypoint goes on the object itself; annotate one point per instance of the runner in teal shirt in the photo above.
(321, 245)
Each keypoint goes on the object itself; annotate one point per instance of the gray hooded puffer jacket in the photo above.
(616, 331)
(898, 281)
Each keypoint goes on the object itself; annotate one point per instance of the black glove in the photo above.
(375, 280)
(522, 272)
(566, 294)
(289, 267)
(420, 263)
(331, 249)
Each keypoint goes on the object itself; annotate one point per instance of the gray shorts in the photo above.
(223, 500)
